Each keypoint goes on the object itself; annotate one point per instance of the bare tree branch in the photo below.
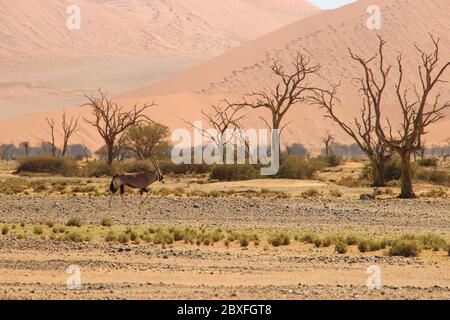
(111, 121)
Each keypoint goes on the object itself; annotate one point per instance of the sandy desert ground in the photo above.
(35, 268)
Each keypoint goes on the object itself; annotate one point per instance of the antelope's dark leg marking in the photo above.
(122, 193)
(144, 190)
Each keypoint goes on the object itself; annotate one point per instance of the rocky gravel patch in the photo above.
(112, 291)
(42, 262)
(392, 215)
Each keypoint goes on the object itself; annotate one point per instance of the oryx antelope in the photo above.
(139, 181)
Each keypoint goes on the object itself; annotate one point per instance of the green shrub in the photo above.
(310, 193)
(363, 246)
(178, 234)
(327, 241)
(5, 229)
(138, 166)
(74, 222)
(335, 193)
(123, 238)
(111, 237)
(214, 194)
(216, 236)
(163, 237)
(375, 245)
(350, 182)
(351, 240)
(13, 186)
(435, 193)
(308, 237)
(318, 242)
(48, 164)
(434, 175)
(75, 237)
(178, 169)
(49, 223)
(405, 248)
(428, 162)
(393, 169)
(106, 222)
(332, 160)
(38, 230)
(59, 229)
(100, 168)
(39, 186)
(234, 172)
(295, 167)
(341, 247)
(280, 239)
(244, 242)
(134, 236)
(433, 242)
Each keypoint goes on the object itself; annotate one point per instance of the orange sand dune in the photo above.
(325, 37)
(34, 31)
(121, 44)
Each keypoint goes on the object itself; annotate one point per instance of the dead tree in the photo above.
(292, 87)
(446, 155)
(111, 121)
(51, 124)
(226, 122)
(86, 152)
(421, 152)
(363, 130)
(26, 147)
(69, 128)
(417, 112)
(6, 152)
(327, 141)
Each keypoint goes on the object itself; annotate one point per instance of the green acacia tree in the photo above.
(147, 140)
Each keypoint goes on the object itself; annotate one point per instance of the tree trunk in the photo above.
(406, 180)
(110, 156)
(378, 174)
(64, 150)
(276, 126)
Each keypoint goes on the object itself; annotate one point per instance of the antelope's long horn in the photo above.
(155, 164)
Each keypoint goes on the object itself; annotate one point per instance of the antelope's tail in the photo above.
(112, 186)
